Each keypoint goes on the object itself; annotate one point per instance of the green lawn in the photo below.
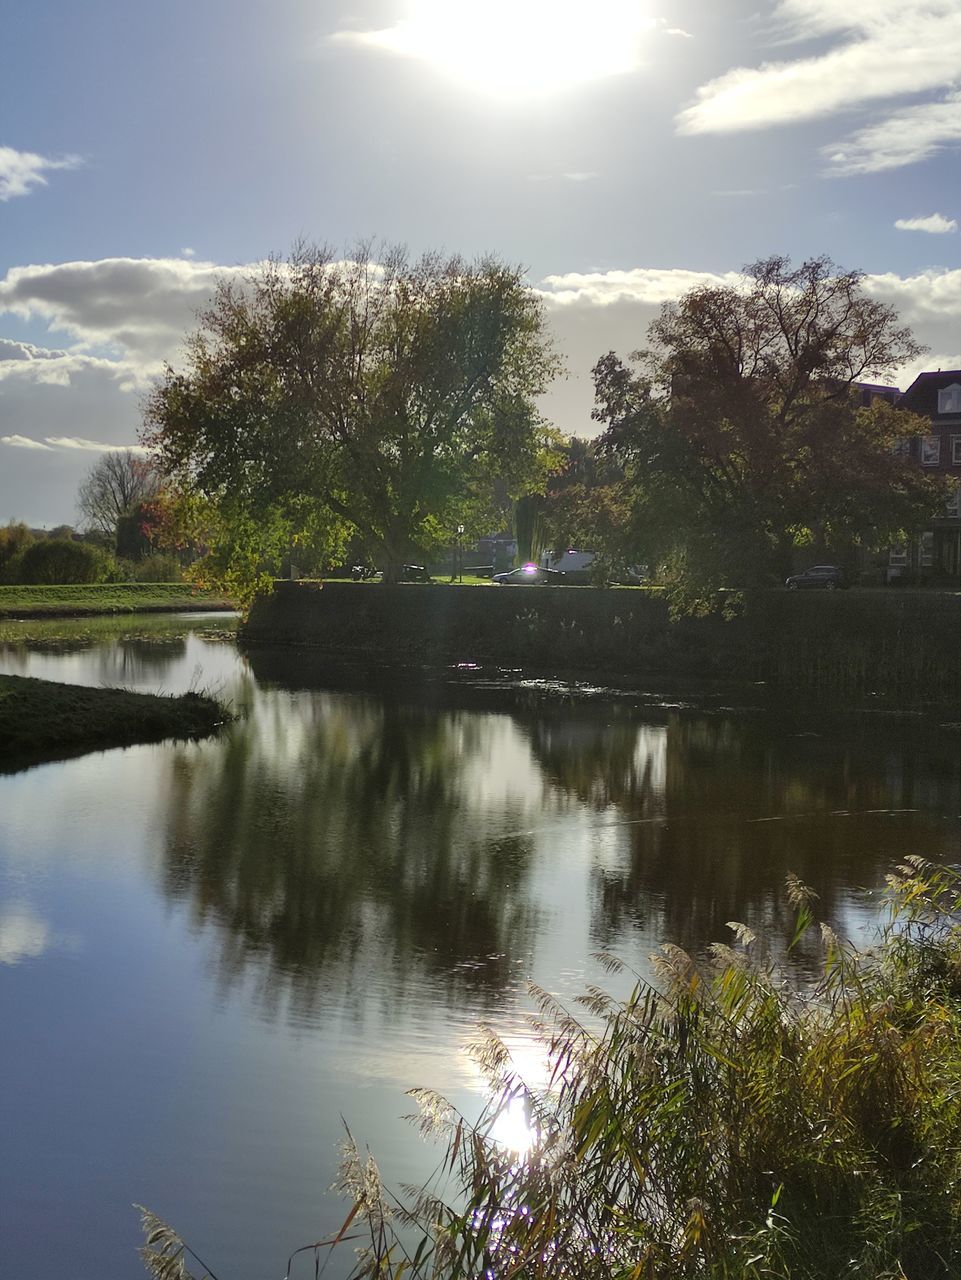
(116, 597)
(40, 717)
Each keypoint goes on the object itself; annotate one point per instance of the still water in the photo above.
(215, 955)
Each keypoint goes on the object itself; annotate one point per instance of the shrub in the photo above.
(158, 568)
(57, 561)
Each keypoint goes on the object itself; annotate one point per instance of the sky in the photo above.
(621, 151)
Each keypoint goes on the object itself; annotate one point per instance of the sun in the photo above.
(518, 48)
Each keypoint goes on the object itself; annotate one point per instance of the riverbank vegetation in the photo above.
(40, 718)
(720, 1123)
(77, 600)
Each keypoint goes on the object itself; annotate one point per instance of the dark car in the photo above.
(827, 576)
(414, 573)
(530, 575)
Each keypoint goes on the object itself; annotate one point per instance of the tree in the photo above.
(589, 504)
(387, 398)
(744, 434)
(116, 482)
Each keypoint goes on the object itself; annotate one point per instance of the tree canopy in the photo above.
(743, 432)
(114, 485)
(391, 398)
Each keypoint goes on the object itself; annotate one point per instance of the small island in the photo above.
(41, 718)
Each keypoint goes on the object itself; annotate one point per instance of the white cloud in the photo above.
(21, 171)
(884, 49)
(903, 137)
(24, 442)
(50, 444)
(61, 368)
(935, 224)
(94, 446)
(11, 350)
(142, 306)
(646, 285)
(188, 253)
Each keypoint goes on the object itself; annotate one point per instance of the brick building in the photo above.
(937, 553)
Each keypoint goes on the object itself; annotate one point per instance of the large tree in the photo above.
(391, 397)
(114, 485)
(744, 432)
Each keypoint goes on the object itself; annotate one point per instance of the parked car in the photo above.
(827, 576)
(530, 575)
(414, 573)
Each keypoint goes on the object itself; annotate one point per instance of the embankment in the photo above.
(44, 719)
(900, 647)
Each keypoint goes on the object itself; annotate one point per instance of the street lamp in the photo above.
(460, 552)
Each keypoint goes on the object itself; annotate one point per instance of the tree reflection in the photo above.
(340, 843)
(328, 833)
(745, 801)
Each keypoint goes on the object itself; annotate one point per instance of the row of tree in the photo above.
(742, 434)
(379, 404)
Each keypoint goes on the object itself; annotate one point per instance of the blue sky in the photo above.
(618, 149)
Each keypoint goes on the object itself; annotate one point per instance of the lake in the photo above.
(215, 955)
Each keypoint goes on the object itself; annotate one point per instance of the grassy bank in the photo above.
(40, 718)
(114, 597)
(858, 646)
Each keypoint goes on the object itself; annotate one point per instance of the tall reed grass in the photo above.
(719, 1123)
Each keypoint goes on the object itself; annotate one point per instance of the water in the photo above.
(213, 956)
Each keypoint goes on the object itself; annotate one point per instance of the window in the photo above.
(930, 451)
(956, 450)
(949, 399)
(953, 505)
(927, 549)
(902, 448)
(898, 556)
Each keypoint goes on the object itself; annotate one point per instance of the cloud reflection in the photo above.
(23, 935)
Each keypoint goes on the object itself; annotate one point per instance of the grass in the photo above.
(719, 1125)
(114, 597)
(54, 633)
(40, 719)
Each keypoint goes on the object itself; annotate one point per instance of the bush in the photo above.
(58, 561)
(158, 568)
(720, 1126)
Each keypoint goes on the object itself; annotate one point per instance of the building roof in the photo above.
(922, 395)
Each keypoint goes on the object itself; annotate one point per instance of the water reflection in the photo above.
(330, 833)
(747, 800)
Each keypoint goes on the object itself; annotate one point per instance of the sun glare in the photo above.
(520, 48)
